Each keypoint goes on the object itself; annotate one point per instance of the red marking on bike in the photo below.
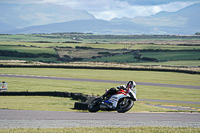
(121, 91)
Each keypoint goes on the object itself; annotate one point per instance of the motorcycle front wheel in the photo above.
(124, 105)
(94, 106)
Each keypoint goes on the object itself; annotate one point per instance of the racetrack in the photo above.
(112, 81)
(58, 119)
(102, 81)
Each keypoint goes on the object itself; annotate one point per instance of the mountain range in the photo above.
(25, 15)
(34, 18)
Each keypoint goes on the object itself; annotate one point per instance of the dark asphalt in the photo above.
(61, 115)
(102, 81)
(57, 119)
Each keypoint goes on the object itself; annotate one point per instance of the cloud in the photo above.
(113, 10)
(155, 2)
(108, 9)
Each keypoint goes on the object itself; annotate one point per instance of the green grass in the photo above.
(108, 46)
(105, 130)
(102, 45)
(142, 46)
(28, 44)
(117, 58)
(37, 103)
(118, 75)
(31, 38)
(166, 93)
(95, 88)
(34, 50)
(164, 47)
(144, 92)
(65, 104)
(23, 84)
(163, 56)
(31, 50)
(89, 41)
(52, 59)
(57, 104)
(171, 63)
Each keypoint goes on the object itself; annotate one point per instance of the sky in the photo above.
(109, 9)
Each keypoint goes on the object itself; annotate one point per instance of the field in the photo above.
(100, 50)
(135, 50)
(65, 47)
(92, 88)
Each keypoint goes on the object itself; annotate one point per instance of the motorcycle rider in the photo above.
(112, 91)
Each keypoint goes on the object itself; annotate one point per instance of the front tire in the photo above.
(94, 106)
(124, 105)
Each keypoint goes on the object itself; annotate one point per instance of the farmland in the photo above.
(130, 49)
(120, 51)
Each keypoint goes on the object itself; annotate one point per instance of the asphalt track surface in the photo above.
(59, 119)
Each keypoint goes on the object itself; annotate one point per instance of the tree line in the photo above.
(25, 55)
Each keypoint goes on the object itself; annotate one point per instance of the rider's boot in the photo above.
(103, 96)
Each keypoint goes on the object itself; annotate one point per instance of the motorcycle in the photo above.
(122, 101)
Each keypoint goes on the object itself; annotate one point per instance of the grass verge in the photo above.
(37, 103)
(144, 92)
(105, 130)
(57, 104)
(95, 88)
(118, 75)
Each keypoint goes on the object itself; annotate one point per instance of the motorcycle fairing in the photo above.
(121, 94)
(115, 98)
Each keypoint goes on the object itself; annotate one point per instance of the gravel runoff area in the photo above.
(59, 119)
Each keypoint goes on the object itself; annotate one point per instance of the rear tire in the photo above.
(124, 105)
(94, 106)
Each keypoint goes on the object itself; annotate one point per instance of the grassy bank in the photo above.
(143, 92)
(57, 104)
(95, 88)
(106, 130)
(118, 75)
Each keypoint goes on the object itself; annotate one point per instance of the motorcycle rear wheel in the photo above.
(94, 106)
(124, 105)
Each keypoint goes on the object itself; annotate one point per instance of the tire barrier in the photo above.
(83, 105)
(26, 93)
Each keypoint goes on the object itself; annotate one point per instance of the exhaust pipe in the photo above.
(102, 106)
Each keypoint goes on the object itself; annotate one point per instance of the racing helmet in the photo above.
(131, 84)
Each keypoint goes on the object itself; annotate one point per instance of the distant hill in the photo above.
(188, 16)
(185, 21)
(86, 26)
(25, 15)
